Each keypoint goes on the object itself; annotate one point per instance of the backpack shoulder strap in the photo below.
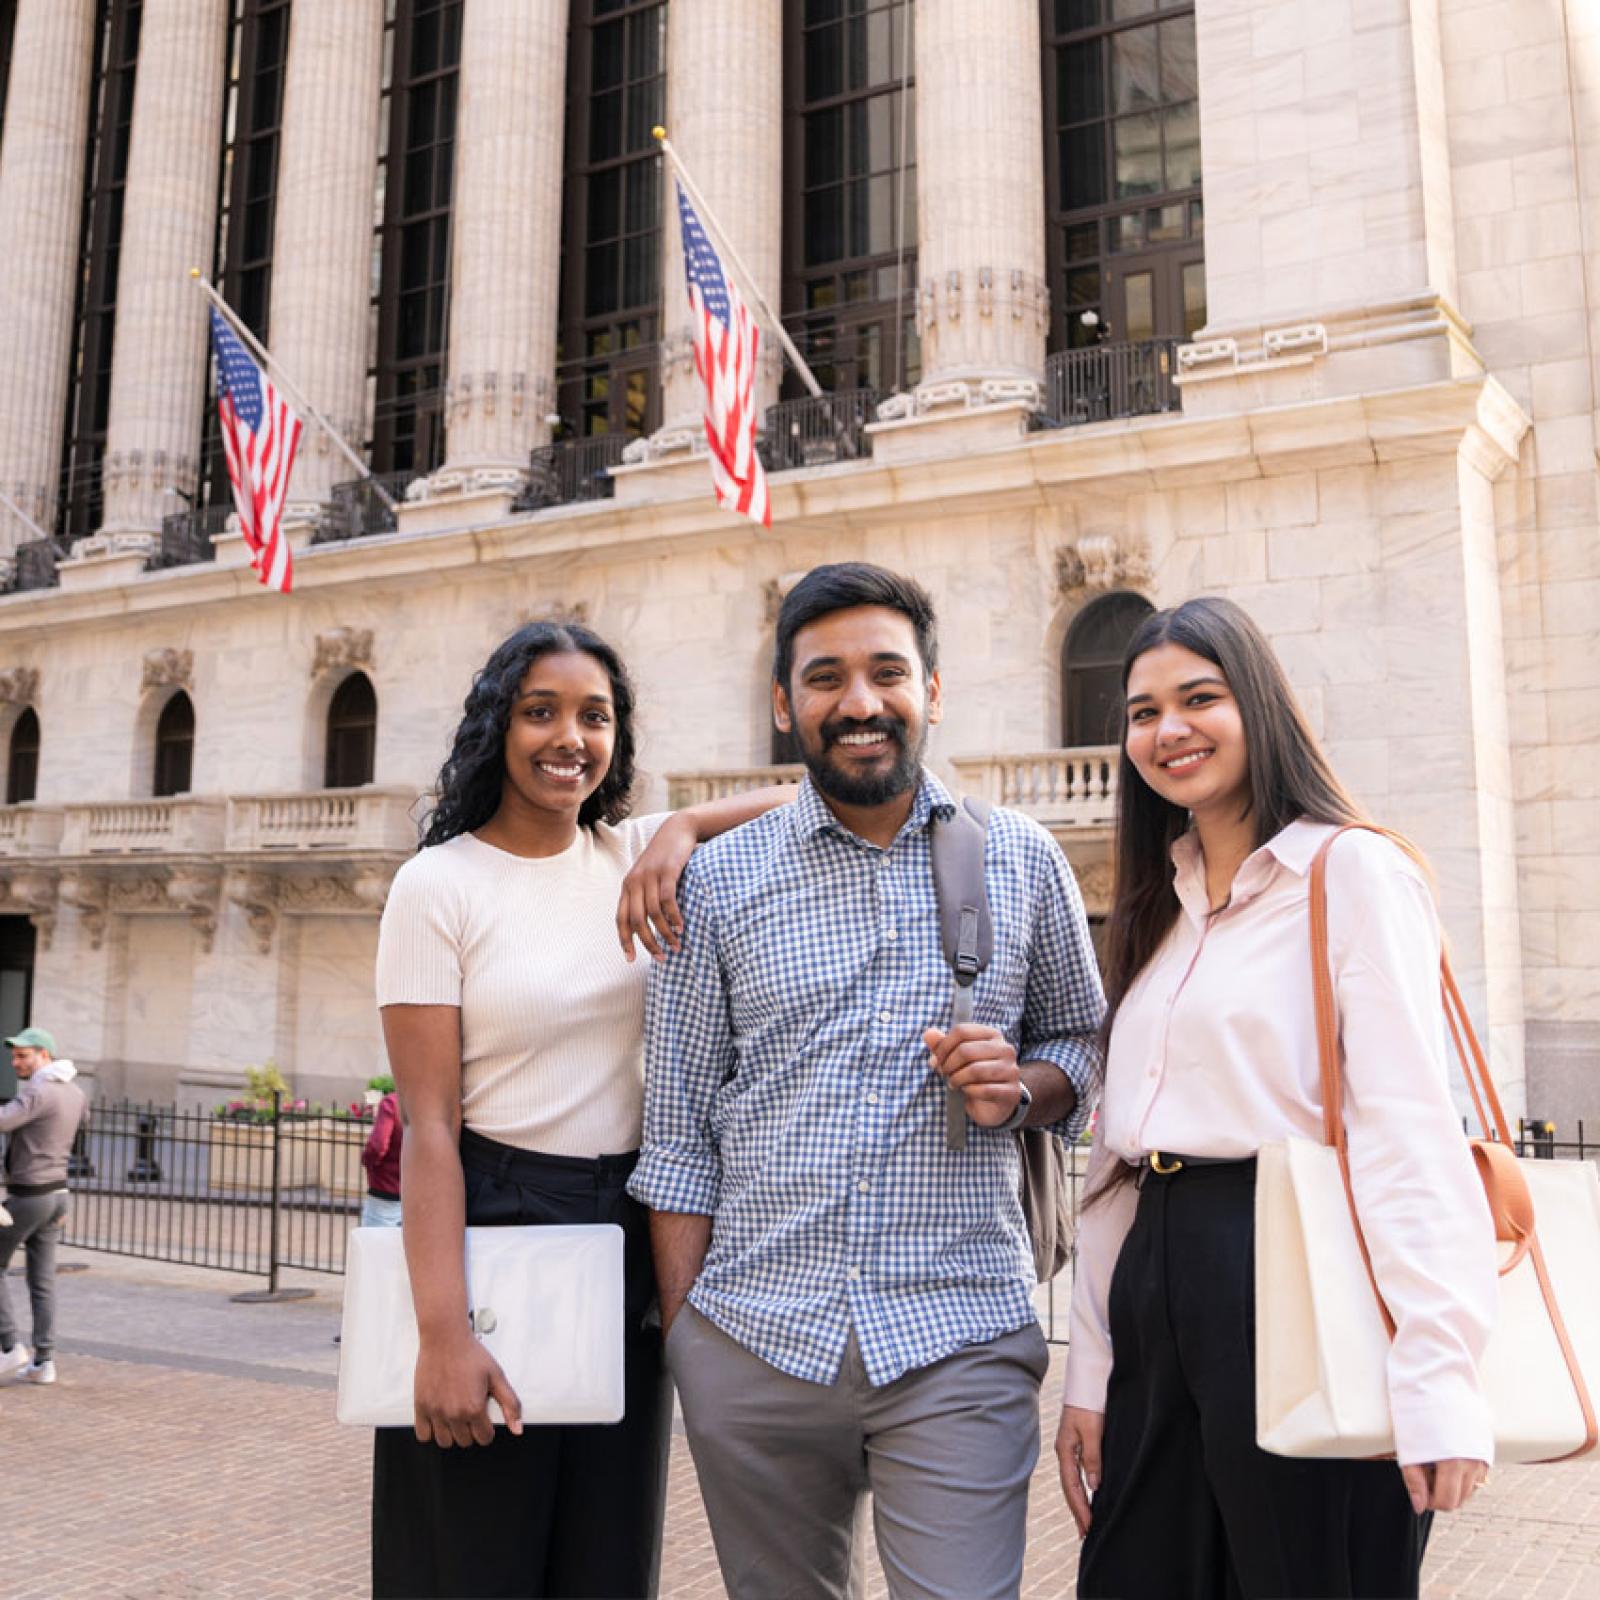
(966, 931)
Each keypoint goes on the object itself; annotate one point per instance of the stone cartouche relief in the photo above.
(32, 892)
(86, 894)
(1098, 564)
(19, 686)
(168, 669)
(342, 650)
(256, 894)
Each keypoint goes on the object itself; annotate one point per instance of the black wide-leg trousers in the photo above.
(1188, 1507)
(570, 1512)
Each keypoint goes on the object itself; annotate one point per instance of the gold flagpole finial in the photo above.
(658, 132)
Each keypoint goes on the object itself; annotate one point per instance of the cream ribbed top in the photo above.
(552, 1016)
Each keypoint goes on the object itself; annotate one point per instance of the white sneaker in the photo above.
(40, 1372)
(13, 1361)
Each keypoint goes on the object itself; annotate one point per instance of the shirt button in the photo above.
(872, 1099)
(863, 1186)
(884, 1016)
(891, 933)
(853, 1273)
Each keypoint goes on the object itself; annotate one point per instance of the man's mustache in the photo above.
(893, 727)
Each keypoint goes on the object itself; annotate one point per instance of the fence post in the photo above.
(273, 1294)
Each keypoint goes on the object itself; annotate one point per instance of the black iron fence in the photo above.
(572, 470)
(1110, 380)
(355, 509)
(186, 536)
(819, 429)
(276, 1188)
(1537, 1138)
(37, 560)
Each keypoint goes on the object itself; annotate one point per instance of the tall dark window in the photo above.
(89, 399)
(22, 763)
(414, 289)
(8, 27)
(611, 217)
(850, 192)
(352, 734)
(175, 746)
(1091, 668)
(1122, 170)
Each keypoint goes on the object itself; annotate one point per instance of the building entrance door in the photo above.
(17, 939)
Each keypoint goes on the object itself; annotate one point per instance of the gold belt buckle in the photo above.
(1158, 1166)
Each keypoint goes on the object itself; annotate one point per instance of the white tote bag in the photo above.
(546, 1302)
(1322, 1330)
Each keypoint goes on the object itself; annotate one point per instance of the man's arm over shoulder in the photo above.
(1064, 1002)
(27, 1107)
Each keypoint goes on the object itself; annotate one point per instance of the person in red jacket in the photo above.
(380, 1207)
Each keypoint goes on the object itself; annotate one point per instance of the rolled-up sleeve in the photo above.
(1422, 1207)
(1064, 1002)
(689, 1055)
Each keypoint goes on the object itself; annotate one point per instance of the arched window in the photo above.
(175, 746)
(352, 734)
(22, 765)
(1091, 669)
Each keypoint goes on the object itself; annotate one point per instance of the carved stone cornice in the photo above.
(1098, 564)
(342, 650)
(362, 887)
(256, 894)
(32, 892)
(98, 893)
(168, 669)
(19, 686)
(197, 892)
(85, 892)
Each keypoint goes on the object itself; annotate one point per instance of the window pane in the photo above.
(824, 147)
(606, 69)
(601, 272)
(1180, 78)
(605, 126)
(1139, 306)
(1194, 297)
(1074, 14)
(640, 258)
(1134, 78)
(1164, 224)
(1183, 146)
(1121, 10)
(824, 226)
(1083, 286)
(644, 43)
(1127, 232)
(605, 205)
(1083, 241)
(824, 64)
(644, 196)
(1138, 154)
(1080, 81)
(1083, 167)
(1197, 218)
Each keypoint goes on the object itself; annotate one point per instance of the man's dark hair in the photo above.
(842, 585)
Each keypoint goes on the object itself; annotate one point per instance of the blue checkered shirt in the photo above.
(789, 1095)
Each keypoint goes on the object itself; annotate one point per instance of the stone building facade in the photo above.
(1341, 264)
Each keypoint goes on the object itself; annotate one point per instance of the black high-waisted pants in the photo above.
(1188, 1507)
(572, 1512)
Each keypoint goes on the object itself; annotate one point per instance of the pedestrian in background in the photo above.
(1225, 801)
(42, 1122)
(513, 1011)
(380, 1156)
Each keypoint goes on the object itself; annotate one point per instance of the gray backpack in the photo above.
(967, 933)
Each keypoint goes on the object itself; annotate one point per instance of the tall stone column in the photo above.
(724, 112)
(41, 178)
(322, 242)
(983, 307)
(506, 259)
(158, 364)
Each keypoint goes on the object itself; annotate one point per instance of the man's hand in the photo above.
(1078, 1457)
(648, 909)
(982, 1063)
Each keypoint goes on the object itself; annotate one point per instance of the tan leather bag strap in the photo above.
(1510, 1203)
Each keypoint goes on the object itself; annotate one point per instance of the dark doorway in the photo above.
(17, 940)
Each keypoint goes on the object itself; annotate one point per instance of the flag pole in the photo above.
(294, 394)
(21, 515)
(807, 376)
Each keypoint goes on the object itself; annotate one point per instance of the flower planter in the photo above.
(241, 1159)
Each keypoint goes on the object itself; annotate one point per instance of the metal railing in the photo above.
(37, 560)
(186, 536)
(1105, 381)
(819, 429)
(204, 1190)
(572, 470)
(354, 511)
(1537, 1138)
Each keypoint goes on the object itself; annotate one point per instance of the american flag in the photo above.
(259, 435)
(725, 343)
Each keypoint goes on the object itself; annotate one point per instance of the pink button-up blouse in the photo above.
(1214, 1052)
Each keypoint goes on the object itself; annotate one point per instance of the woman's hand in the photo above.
(1444, 1485)
(648, 910)
(1078, 1457)
(455, 1381)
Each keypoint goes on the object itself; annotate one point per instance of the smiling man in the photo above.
(847, 1298)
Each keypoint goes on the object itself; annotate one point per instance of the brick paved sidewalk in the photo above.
(189, 1450)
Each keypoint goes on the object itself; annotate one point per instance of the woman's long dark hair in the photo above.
(1289, 778)
(473, 775)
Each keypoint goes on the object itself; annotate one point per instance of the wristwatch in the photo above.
(1020, 1115)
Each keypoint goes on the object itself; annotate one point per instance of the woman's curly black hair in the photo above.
(473, 775)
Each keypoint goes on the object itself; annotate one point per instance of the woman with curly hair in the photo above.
(513, 1012)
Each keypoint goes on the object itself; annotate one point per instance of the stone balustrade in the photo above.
(29, 830)
(695, 788)
(1058, 788)
(323, 820)
(179, 825)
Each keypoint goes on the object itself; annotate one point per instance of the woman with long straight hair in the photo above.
(513, 1012)
(1211, 1051)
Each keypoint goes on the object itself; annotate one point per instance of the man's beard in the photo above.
(866, 789)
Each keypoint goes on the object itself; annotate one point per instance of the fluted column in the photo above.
(724, 112)
(983, 307)
(158, 362)
(506, 260)
(41, 178)
(322, 243)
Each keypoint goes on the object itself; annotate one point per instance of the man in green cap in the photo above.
(42, 1122)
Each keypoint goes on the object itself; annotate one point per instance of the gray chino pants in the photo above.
(946, 1453)
(36, 1221)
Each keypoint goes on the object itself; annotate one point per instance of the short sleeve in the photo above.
(420, 937)
(636, 833)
